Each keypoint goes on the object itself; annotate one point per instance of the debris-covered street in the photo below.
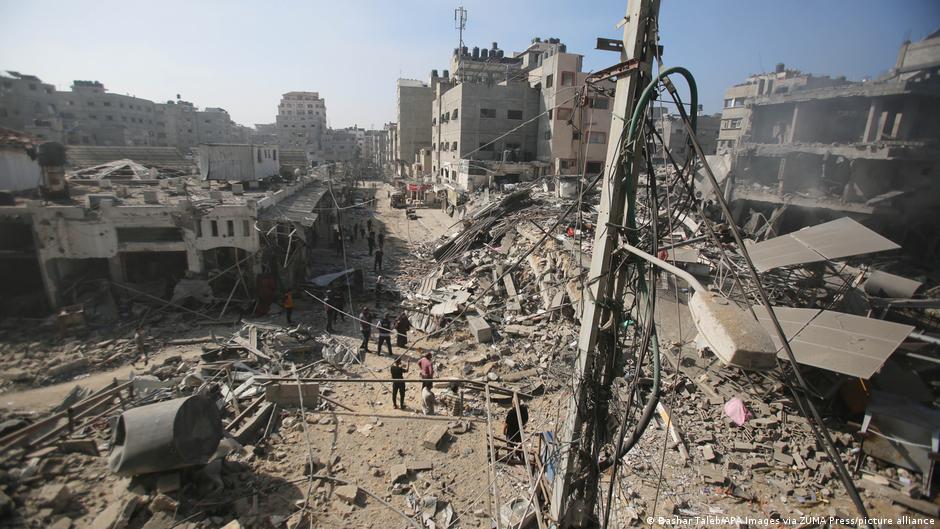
(554, 293)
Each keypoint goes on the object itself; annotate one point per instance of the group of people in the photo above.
(426, 371)
(401, 325)
(374, 239)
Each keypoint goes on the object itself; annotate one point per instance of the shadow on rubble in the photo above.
(218, 493)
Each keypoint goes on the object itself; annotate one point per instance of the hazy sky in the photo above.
(242, 55)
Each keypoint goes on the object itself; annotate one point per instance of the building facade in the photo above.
(301, 122)
(413, 110)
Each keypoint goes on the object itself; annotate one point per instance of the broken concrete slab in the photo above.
(290, 394)
(520, 375)
(434, 437)
(55, 496)
(80, 446)
(420, 466)
(167, 483)
(480, 329)
(347, 493)
(398, 473)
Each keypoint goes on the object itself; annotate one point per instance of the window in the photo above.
(230, 225)
(487, 146)
(433, 122)
(199, 228)
(549, 81)
(108, 103)
(214, 224)
(600, 102)
(514, 114)
(597, 137)
(274, 154)
(731, 124)
(593, 167)
(551, 112)
(548, 135)
(453, 146)
(488, 113)
(259, 155)
(564, 114)
(453, 115)
(575, 135)
(567, 78)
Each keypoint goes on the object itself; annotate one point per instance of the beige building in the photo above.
(29, 105)
(567, 132)
(301, 122)
(413, 106)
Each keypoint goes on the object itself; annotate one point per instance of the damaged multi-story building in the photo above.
(805, 149)
(502, 119)
(153, 228)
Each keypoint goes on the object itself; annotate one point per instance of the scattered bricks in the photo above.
(743, 447)
(755, 463)
(482, 331)
(800, 464)
(710, 475)
(398, 473)
(80, 446)
(707, 453)
(812, 464)
(288, 395)
(167, 483)
(434, 437)
(347, 493)
(784, 459)
(117, 514)
(56, 497)
(517, 330)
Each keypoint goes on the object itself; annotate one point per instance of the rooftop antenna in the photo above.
(460, 24)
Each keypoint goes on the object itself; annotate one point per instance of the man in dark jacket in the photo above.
(402, 326)
(365, 326)
(385, 334)
(398, 388)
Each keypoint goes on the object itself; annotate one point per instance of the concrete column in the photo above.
(116, 268)
(50, 283)
(194, 260)
(904, 121)
(792, 135)
(782, 176)
(874, 113)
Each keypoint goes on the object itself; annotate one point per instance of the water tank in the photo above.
(446, 74)
(476, 53)
(433, 73)
(780, 68)
(465, 51)
(563, 48)
(499, 54)
(495, 46)
(484, 54)
(536, 40)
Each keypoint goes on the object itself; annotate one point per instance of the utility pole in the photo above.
(583, 434)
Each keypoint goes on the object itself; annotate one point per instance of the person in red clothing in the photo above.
(426, 368)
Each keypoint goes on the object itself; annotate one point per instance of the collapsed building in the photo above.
(816, 149)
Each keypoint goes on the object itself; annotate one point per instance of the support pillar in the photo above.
(874, 113)
(116, 268)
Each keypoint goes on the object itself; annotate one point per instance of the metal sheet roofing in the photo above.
(844, 343)
(831, 240)
(91, 155)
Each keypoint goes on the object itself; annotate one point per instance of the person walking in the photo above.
(365, 326)
(371, 241)
(330, 311)
(402, 326)
(338, 301)
(398, 388)
(377, 267)
(369, 224)
(385, 334)
(381, 240)
(426, 369)
(337, 241)
(288, 304)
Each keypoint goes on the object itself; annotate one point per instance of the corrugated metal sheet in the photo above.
(830, 240)
(885, 285)
(80, 156)
(844, 343)
(226, 162)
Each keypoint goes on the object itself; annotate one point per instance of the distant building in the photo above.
(672, 130)
(301, 121)
(19, 169)
(413, 106)
(341, 145)
(29, 105)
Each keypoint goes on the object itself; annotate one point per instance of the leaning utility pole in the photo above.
(583, 434)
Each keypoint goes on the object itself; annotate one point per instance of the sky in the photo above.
(242, 56)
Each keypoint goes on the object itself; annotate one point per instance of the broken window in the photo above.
(597, 137)
(548, 135)
(215, 228)
(487, 112)
(514, 114)
(454, 146)
(149, 234)
(487, 146)
(593, 168)
(567, 78)
(549, 81)
(453, 115)
(230, 225)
